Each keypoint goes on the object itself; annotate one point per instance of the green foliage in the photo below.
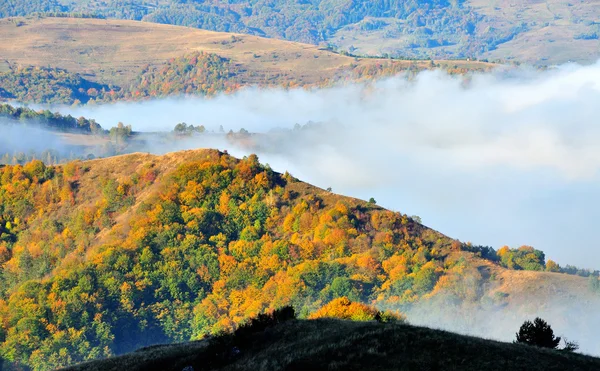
(47, 85)
(47, 119)
(424, 25)
(119, 263)
(525, 257)
(10, 8)
(194, 74)
(184, 129)
(537, 333)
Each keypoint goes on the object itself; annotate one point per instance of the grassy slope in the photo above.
(552, 26)
(527, 293)
(518, 285)
(548, 36)
(345, 345)
(114, 51)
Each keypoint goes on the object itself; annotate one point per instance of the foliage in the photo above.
(47, 85)
(525, 257)
(184, 129)
(217, 241)
(241, 337)
(103, 257)
(47, 119)
(570, 346)
(197, 73)
(343, 308)
(423, 24)
(537, 333)
(10, 8)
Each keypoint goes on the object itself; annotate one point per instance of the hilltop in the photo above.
(327, 344)
(105, 256)
(114, 51)
(78, 60)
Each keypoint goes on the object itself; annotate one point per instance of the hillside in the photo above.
(540, 32)
(122, 55)
(102, 257)
(329, 344)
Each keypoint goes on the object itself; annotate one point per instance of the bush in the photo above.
(343, 308)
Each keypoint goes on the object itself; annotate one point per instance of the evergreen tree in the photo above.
(537, 333)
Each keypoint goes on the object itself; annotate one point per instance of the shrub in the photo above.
(343, 308)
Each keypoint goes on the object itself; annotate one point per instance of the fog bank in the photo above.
(506, 158)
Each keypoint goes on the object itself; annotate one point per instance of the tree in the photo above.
(537, 333)
(552, 266)
(570, 346)
(372, 201)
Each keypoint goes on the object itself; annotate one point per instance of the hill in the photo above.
(327, 344)
(540, 32)
(102, 257)
(114, 59)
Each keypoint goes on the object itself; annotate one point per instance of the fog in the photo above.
(17, 137)
(505, 158)
(510, 157)
(572, 317)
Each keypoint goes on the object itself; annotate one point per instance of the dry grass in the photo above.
(114, 51)
(552, 25)
(549, 38)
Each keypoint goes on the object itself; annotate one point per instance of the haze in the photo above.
(505, 158)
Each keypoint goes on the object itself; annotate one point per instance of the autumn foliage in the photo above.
(100, 258)
(343, 308)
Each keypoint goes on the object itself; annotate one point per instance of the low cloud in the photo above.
(510, 157)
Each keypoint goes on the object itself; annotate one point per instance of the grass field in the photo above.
(114, 51)
(328, 344)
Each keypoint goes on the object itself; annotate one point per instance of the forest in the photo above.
(48, 120)
(429, 24)
(198, 73)
(100, 258)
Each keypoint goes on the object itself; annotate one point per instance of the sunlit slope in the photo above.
(115, 51)
(101, 257)
(552, 31)
(535, 32)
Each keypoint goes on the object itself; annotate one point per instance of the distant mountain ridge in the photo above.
(548, 32)
(78, 60)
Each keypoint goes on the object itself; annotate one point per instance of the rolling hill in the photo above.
(114, 51)
(328, 344)
(539, 32)
(73, 60)
(102, 257)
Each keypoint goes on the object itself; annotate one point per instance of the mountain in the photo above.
(103, 257)
(540, 32)
(74, 60)
(334, 344)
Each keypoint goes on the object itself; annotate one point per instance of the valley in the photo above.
(199, 185)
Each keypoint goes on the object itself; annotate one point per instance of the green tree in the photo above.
(537, 333)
